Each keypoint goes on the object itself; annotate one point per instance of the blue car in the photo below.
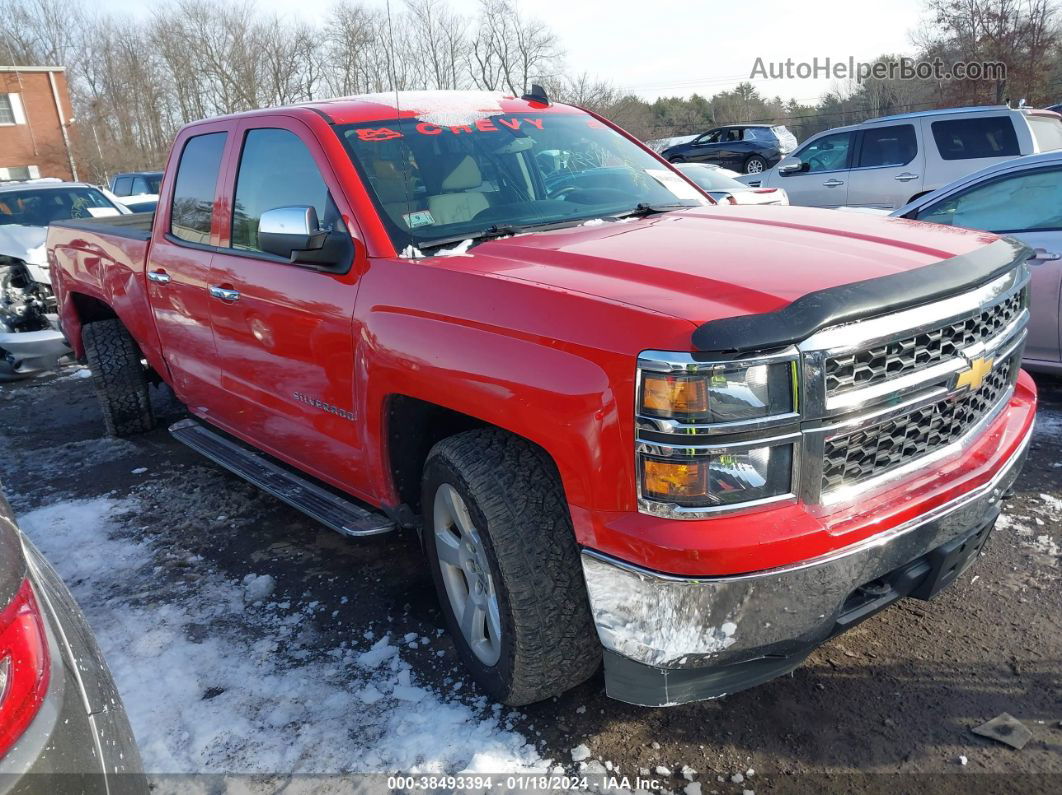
(747, 148)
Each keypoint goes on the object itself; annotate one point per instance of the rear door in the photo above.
(283, 330)
(1027, 205)
(824, 180)
(887, 169)
(178, 268)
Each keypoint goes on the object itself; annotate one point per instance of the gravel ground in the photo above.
(899, 694)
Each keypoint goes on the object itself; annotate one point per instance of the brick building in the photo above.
(35, 116)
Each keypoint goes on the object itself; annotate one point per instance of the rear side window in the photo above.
(193, 194)
(967, 139)
(276, 170)
(121, 186)
(894, 145)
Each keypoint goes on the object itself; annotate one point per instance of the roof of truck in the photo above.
(444, 108)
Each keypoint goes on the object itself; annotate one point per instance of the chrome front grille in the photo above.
(880, 363)
(876, 450)
(882, 397)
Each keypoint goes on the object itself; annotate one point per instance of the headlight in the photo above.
(719, 476)
(720, 392)
(716, 436)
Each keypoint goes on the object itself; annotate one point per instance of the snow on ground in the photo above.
(215, 676)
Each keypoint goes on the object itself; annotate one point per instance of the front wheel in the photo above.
(755, 165)
(677, 159)
(505, 565)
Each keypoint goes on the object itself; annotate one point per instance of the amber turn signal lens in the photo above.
(670, 396)
(675, 480)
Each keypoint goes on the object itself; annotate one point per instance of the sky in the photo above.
(679, 48)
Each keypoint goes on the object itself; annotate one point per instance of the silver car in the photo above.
(890, 161)
(1021, 198)
(62, 724)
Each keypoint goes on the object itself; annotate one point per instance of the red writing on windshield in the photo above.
(427, 128)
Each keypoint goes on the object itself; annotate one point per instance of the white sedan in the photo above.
(721, 186)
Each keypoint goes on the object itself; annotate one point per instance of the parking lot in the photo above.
(247, 639)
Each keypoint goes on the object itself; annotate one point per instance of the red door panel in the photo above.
(288, 362)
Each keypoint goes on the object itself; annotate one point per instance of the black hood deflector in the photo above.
(846, 303)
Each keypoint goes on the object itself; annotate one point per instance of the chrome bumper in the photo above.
(680, 623)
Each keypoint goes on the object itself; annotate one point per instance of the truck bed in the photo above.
(135, 226)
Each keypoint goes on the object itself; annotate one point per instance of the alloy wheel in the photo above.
(466, 575)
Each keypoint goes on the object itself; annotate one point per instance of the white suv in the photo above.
(887, 162)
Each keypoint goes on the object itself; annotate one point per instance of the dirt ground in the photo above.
(899, 694)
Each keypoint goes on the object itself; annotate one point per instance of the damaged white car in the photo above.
(30, 338)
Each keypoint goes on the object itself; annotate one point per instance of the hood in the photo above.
(27, 243)
(24, 242)
(712, 262)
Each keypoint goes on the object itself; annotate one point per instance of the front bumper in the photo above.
(670, 639)
(25, 352)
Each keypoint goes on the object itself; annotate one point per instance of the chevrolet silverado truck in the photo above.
(689, 441)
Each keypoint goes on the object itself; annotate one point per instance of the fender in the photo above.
(114, 278)
(504, 351)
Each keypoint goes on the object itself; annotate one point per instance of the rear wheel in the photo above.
(506, 567)
(119, 377)
(755, 165)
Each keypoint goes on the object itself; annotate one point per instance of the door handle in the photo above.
(905, 177)
(1043, 255)
(225, 293)
(159, 277)
(832, 183)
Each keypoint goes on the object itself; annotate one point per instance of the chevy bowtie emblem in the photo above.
(975, 375)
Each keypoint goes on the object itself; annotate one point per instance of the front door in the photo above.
(888, 169)
(823, 182)
(283, 330)
(178, 273)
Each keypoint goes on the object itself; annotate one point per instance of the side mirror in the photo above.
(791, 165)
(295, 234)
(286, 230)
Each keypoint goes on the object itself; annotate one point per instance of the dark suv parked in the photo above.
(749, 148)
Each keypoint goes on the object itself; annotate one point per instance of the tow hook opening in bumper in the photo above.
(670, 640)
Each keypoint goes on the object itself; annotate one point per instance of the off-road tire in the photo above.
(119, 377)
(516, 501)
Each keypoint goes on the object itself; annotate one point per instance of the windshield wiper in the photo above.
(641, 210)
(492, 232)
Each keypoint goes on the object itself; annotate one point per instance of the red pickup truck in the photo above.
(694, 441)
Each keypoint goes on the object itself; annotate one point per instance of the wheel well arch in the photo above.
(413, 428)
(91, 309)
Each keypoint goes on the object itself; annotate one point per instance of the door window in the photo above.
(276, 170)
(894, 145)
(828, 153)
(193, 193)
(1018, 203)
(712, 137)
(121, 186)
(966, 139)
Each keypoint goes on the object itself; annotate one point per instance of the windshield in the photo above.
(42, 206)
(710, 178)
(508, 171)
